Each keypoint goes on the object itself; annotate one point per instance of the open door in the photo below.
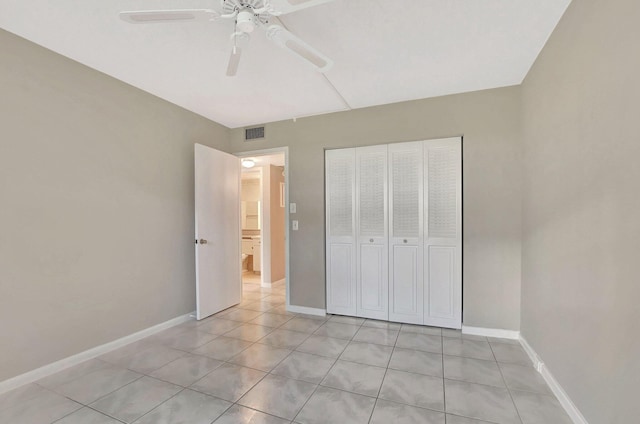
(217, 205)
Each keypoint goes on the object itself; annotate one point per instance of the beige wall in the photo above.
(490, 123)
(96, 214)
(581, 226)
(277, 225)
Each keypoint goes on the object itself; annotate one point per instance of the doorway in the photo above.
(218, 225)
(264, 229)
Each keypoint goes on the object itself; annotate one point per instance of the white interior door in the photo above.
(217, 206)
(340, 185)
(443, 233)
(406, 284)
(372, 234)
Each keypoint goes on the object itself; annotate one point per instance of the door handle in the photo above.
(202, 241)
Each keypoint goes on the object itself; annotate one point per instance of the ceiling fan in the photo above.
(248, 15)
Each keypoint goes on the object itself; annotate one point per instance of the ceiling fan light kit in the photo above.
(248, 15)
(248, 163)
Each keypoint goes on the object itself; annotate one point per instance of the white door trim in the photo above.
(264, 152)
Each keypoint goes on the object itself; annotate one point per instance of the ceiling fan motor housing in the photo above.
(246, 21)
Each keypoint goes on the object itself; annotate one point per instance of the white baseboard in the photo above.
(537, 363)
(306, 310)
(47, 370)
(564, 399)
(265, 285)
(491, 332)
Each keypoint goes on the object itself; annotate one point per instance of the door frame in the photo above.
(287, 267)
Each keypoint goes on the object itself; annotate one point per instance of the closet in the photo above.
(394, 232)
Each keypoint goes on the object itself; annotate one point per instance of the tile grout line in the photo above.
(335, 362)
(183, 389)
(317, 385)
(444, 391)
(305, 402)
(254, 385)
(83, 405)
(229, 363)
(384, 376)
(375, 404)
(505, 384)
(268, 373)
(88, 405)
(333, 365)
(104, 413)
(111, 392)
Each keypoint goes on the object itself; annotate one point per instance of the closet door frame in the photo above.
(372, 245)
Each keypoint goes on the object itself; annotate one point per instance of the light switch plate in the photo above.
(292, 208)
(294, 225)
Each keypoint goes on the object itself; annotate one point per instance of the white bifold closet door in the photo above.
(394, 232)
(372, 233)
(405, 240)
(443, 233)
(340, 183)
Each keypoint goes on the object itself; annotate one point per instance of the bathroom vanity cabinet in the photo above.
(257, 255)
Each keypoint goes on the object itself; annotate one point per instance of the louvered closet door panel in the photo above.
(372, 234)
(443, 233)
(340, 180)
(405, 239)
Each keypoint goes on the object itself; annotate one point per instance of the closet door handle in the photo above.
(370, 240)
(404, 241)
(203, 241)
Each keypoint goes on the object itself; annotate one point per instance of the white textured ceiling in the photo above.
(384, 51)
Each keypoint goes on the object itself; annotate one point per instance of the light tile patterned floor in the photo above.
(256, 363)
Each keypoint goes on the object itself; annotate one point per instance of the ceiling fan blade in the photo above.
(234, 61)
(295, 45)
(161, 16)
(281, 7)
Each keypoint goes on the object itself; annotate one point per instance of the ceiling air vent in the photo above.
(253, 133)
